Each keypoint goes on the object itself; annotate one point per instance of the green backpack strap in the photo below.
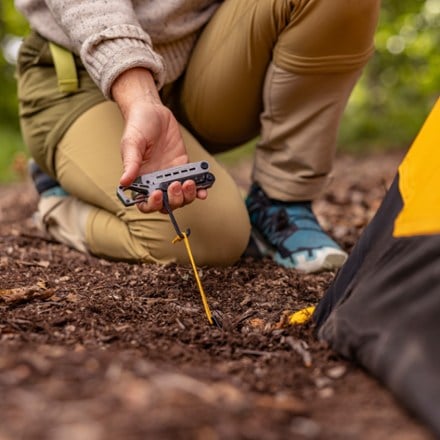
(65, 68)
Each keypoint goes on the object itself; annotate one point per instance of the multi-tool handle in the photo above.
(144, 185)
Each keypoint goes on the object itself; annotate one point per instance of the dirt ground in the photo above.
(91, 349)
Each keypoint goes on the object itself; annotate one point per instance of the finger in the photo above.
(202, 194)
(154, 203)
(131, 159)
(189, 191)
(175, 195)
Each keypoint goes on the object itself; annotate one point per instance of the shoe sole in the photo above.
(326, 258)
(335, 261)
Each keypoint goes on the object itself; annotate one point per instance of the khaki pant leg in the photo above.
(221, 96)
(322, 46)
(324, 37)
(299, 128)
(306, 91)
(89, 166)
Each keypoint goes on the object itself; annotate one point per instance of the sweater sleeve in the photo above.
(108, 38)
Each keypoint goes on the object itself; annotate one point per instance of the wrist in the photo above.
(133, 85)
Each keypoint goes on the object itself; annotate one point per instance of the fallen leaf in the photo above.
(24, 294)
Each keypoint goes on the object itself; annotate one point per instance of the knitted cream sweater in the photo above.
(112, 36)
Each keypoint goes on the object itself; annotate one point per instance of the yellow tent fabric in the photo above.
(419, 182)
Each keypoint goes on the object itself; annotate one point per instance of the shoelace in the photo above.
(278, 226)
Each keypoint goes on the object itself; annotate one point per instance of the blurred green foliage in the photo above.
(387, 108)
(12, 149)
(11, 24)
(401, 82)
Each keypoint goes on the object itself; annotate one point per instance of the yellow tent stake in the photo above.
(196, 275)
(301, 316)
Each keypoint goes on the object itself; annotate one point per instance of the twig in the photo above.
(300, 347)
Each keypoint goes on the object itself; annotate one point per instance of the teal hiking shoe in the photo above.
(290, 234)
(45, 185)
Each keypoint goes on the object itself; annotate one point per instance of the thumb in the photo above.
(132, 160)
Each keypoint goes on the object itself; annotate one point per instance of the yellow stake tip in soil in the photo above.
(196, 275)
(301, 316)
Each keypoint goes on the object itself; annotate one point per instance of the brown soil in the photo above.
(91, 349)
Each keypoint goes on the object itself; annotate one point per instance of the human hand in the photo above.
(152, 140)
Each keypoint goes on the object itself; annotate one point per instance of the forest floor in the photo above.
(92, 349)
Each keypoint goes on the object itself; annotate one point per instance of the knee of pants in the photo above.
(325, 37)
(219, 232)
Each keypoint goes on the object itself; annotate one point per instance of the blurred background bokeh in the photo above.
(388, 106)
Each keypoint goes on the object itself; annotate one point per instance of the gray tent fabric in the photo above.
(383, 311)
